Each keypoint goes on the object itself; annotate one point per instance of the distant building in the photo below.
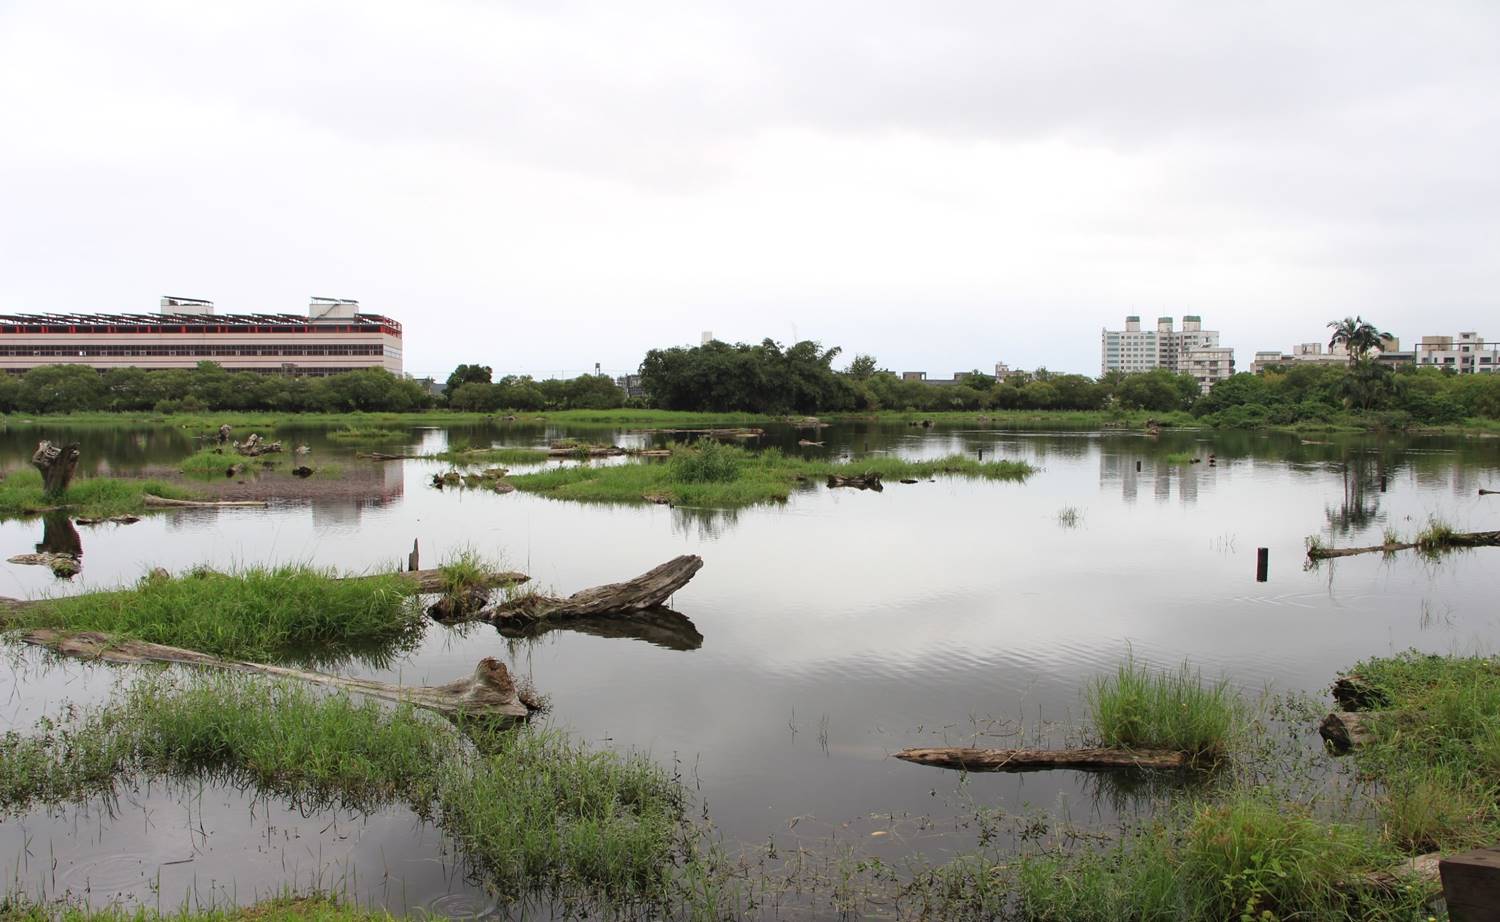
(631, 385)
(1192, 350)
(1002, 371)
(913, 376)
(708, 337)
(1466, 354)
(334, 336)
(1389, 353)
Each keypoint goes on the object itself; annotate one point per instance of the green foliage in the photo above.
(467, 374)
(367, 434)
(315, 908)
(286, 613)
(745, 477)
(1357, 336)
(1141, 708)
(1158, 389)
(589, 392)
(764, 378)
(21, 494)
(1364, 393)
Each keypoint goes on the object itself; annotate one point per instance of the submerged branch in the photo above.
(648, 591)
(1025, 760)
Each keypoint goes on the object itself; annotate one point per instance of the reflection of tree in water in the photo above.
(1360, 504)
(59, 536)
(703, 522)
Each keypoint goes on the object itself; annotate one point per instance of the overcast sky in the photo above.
(543, 185)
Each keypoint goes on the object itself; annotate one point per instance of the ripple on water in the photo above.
(108, 873)
(460, 906)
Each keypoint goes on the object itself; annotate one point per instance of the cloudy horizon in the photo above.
(542, 186)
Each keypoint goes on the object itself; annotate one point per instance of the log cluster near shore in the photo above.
(1454, 540)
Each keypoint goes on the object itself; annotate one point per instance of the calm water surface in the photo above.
(835, 629)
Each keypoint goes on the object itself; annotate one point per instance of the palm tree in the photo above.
(1355, 335)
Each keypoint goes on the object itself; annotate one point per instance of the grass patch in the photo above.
(215, 464)
(316, 908)
(729, 476)
(367, 434)
(1069, 517)
(1434, 762)
(1178, 457)
(1141, 708)
(531, 809)
(21, 495)
(286, 613)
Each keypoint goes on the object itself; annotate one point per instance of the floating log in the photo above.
(110, 520)
(660, 627)
(382, 456)
(650, 452)
(1484, 492)
(650, 590)
(1345, 730)
(868, 481)
(151, 499)
(1030, 760)
(586, 451)
(57, 464)
(64, 566)
(489, 692)
(741, 432)
(434, 581)
(1447, 542)
(808, 443)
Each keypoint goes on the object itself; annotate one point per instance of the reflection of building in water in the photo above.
(368, 485)
(1190, 478)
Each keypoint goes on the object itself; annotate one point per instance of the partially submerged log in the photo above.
(1446, 542)
(1345, 730)
(108, 520)
(151, 499)
(867, 481)
(1030, 760)
(64, 566)
(650, 590)
(57, 464)
(434, 580)
(1354, 692)
(809, 443)
(489, 692)
(585, 451)
(1484, 492)
(255, 445)
(661, 627)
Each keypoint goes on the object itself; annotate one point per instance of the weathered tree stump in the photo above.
(57, 465)
(1030, 760)
(1447, 542)
(650, 590)
(254, 445)
(1344, 731)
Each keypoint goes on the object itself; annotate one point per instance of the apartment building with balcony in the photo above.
(1191, 350)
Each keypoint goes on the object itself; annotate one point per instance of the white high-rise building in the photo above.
(1192, 350)
(1467, 353)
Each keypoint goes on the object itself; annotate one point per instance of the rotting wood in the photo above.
(108, 520)
(1347, 730)
(585, 451)
(151, 499)
(56, 464)
(1024, 760)
(809, 443)
(254, 445)
(650, 590)
(63, 566)
(382, 456)
(1422, 870)
(1354, 692)
(1484, 492)
(1471, 884)
(1455, 540)
(489, 692)
(435, 581)
(867, 481)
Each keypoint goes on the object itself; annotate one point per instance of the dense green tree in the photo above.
(60, 389)
(1158, 389)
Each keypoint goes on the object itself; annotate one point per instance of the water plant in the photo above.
(289, 612)
(1069, 517)
(1143, 708)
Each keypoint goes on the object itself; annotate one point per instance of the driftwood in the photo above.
(1455, 540)
(1484, 492)
(150, 499)
(255, 445)
(1345, 730)
(1028, 760)
(650, 590)
(743, 432)
(808, 443)
(108, 520)
(382, 456)
(434, 581)
(57, 464)
(585, 451)
(489, 692)
(870, 481)
(65, 566)
(659, 627)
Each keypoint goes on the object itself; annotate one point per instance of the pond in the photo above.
(821, 635)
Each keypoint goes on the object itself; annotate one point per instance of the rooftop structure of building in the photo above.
(1466, 353)
(333, 336)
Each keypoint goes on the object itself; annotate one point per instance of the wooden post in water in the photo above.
(412, 559)
(1138, 465)
(1471, 884)
(1382, 483)
(1262, 563)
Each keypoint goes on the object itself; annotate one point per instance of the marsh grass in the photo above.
(1178, 457)
(211, 464)
(729, 476)
(21, 495)
(501, 455)
(367, 434)
(1434, 763)
(1069, 517)
(1142, 708)
(532, 809)
(465, 572)
(309, 908)
(296, 613)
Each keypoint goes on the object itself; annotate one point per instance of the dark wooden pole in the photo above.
(1262, 563)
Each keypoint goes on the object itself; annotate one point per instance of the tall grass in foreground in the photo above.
(533, 810)
(21, 494)
(1142, 708)
(264, 614)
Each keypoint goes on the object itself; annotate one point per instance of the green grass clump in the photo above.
(315, 908)
(532, 809)
(293, 612)
(1434, 761)
(1141, 708)
(367, 434)
(211, 464)
(1178, 457)
(1437, 536)
(465, 572)
(730, 476)
(21, 495)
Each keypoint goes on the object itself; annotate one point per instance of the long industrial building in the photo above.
(332, 337)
